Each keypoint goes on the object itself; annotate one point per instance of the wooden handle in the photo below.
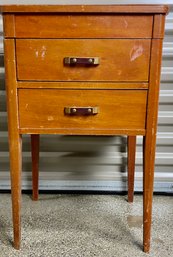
(92, 61)
(81, 110)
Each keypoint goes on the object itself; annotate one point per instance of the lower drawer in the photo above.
(114, 111)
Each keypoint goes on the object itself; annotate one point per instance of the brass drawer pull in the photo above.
(81, 110)
(82, 60)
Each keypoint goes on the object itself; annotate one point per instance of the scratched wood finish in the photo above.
(120, 60)
(15, 143)
(118, 109)
(130, 112)
(131, 166)
(35, 139)
(133, 9)
(9, 26)
(85, 132)
(159, 26)
(81, 85)
(80, 26)
(149, 142)
(150, 139)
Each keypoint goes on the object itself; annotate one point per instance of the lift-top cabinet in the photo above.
(83, 70)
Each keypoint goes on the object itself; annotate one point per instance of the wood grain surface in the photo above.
(35, 143)
(86, 8)
(131, 166)
(120, 60)
(83, 26)
(150, 140)
(124, 86)
(8, 25)
(119, 109)
(15, 142)
(81, 85)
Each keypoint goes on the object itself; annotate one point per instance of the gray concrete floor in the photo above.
(66, 225)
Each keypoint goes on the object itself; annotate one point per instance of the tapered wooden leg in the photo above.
(148, 180)
(15, 140)
(149, 143)
(131, 166)
(35, 165)
(15, 167)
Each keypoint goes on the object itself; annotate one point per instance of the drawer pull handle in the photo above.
(81, 110)
(93, 61)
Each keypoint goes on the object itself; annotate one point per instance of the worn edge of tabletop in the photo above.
(85, 8)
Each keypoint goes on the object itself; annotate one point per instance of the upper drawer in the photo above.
(119, 59)
(83, 26)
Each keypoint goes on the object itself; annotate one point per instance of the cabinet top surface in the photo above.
(84, 8)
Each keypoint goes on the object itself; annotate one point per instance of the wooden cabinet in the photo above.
(83, 70)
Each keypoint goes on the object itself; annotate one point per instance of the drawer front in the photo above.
(83, 26)
(119, 59)
(111, 110)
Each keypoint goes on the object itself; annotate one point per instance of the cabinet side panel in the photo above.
(159, 26)
(9, 25)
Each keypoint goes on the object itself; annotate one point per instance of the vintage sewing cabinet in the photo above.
(83, 70)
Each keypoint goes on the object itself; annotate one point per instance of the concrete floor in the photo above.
(86, 226)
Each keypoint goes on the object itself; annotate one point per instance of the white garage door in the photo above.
(95, 163)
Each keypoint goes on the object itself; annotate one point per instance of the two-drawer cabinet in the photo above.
(82, 62)
(83, 70)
